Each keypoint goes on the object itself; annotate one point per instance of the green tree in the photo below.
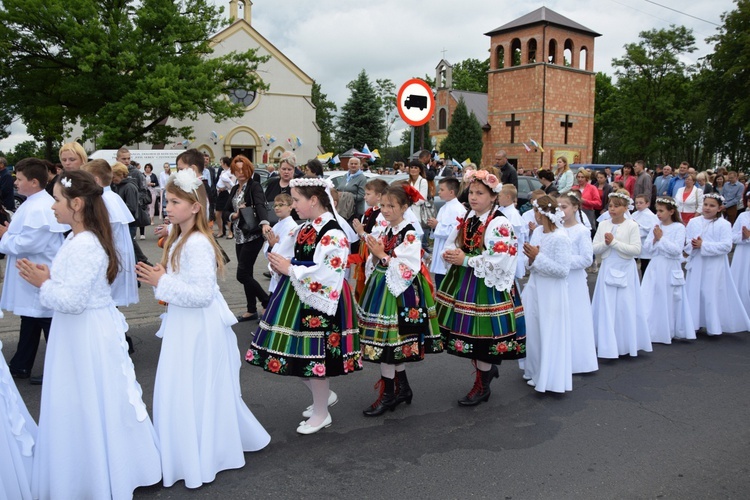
(606, 133)
(727, 86)
(471, 75)
(120, 68)
(325, 111)
(464, 139)
(386, 92)
(361, 121)
(651, 90)
(25, 149)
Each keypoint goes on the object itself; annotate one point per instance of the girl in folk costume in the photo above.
(663, 287)
(619, 320)
(583, 345)
(479, 307)
(95, 439)
(397, 310)
(741, 259)
(17, 437)
(546, 306)
(370, 224)
(309, 329)
(200, 418)
(711, 291)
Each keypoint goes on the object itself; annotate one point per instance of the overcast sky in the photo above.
(333, 40)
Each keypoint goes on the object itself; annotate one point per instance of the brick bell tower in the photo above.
(541, 86)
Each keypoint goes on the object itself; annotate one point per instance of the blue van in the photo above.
(594, 167)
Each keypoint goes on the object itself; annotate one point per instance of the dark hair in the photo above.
(675, 217)
(225, 160)
(148, 165)
(422, 154)
(547, 175)
(547, 204)
(315, 167)
(629, 166)
(398, 193)
(95, 214)
(192, 157)
(451, 183)
(417, 163)
(34, 168)
(317, 191)
(377, 185)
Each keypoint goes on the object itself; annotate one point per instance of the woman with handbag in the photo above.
(249, 218)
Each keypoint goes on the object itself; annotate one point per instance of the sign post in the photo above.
(415, 104)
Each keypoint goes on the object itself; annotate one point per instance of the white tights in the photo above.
(389, 371)
(319, 388)
(483, 366)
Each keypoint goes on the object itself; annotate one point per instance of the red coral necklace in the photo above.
(474, 241)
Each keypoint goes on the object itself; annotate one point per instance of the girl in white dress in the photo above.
(663, 287)
(711, 292)
(17, 436)
(619, 319)
(741, 259)
(200, 418)
(545, 300)
(583, 346)
(95, 439)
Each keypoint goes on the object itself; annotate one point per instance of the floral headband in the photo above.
(310, 182)
(667, 201)
(486, 178)
(624, 197)
(715, 196)
(186, 180)
(556, 215)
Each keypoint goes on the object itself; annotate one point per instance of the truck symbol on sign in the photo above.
(416, 101)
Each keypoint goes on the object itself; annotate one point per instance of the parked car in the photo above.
(526, 184)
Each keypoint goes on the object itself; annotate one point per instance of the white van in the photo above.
(156, 157)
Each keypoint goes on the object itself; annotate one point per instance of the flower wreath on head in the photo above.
(66, 182)
(667, 201)
(311, 181)
(715, 196)
(413, 194)
(555, 216)
(486, 178)
(624, 197)
(186, 180)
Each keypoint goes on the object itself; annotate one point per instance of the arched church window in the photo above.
(515, 52)
(583, 59)
(531, 50)
(442, 119)
(568, 53)
(500, 51)
(552, 53)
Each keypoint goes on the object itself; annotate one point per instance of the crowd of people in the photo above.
(313, 324)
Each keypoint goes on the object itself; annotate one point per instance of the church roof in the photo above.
(476, 102)
(540, 16)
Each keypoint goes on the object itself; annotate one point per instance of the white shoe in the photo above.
(332, 400)
(143, 236)
(305, 428)
(531, 383)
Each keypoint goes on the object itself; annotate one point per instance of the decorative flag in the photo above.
(537, 145)
(375, 153)
(455, 162)
(271, 140)
(528, 149)
(325, 157)
(185, 143)
(298, 141)
(442, 156)
(335, 160)
(466, 162)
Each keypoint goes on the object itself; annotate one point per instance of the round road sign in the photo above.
(415, 102)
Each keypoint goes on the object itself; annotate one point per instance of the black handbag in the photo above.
(249, 222)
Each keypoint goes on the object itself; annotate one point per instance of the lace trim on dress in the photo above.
(135, 393)
(317, 302)
(501, 279)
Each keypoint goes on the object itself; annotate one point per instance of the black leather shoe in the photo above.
(36, 380)
(252, 317)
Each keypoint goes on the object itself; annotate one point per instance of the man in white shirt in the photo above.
(443, 224)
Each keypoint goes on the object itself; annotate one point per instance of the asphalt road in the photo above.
(667, 424)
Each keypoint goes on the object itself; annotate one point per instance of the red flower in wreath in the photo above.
(318, 221)
(315, 287)
(274, 365)
(314, 322)
(512, 250)
(334, 339)
(504, 231)
(336, 262)
(413, 313)
(410, 238)
(325, 240)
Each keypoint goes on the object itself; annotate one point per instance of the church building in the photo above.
(541, 87)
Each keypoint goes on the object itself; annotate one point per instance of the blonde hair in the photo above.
(76, 149)
(119, 169)
(510, 190)
(200, 226)
(100, 169)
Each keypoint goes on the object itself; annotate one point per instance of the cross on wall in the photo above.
(566, 124)
(513, 123)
